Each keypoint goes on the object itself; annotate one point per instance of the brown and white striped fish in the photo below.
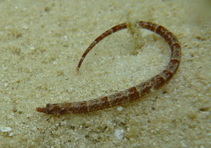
(129, 94)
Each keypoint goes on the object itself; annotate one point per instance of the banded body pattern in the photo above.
(132, 93)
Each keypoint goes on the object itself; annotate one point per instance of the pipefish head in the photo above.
(55, 109)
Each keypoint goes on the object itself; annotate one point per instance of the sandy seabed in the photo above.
(41, 43)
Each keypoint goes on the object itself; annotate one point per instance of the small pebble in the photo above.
(32, 48)
(119, 134)
(120, 108)
(5, 129)
(5, 84)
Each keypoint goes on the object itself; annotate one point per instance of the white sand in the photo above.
(41, 43)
